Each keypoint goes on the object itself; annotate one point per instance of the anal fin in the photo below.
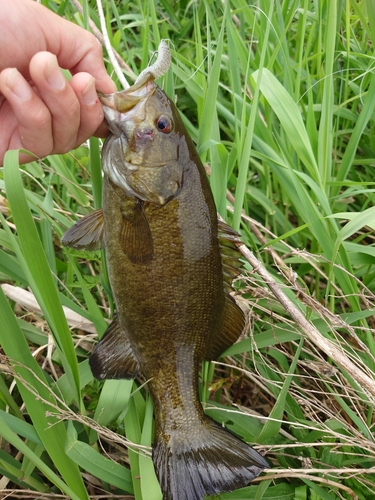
(87, 233)
(113, 357)
(232, 327)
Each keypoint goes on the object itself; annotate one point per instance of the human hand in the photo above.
(39, 110)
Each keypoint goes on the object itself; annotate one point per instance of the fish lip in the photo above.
(125, 100)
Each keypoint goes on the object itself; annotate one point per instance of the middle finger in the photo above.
(59, 98)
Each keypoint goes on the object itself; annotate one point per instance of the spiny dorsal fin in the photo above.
(87, 233)
(113, 357)
(135, 235)
(230, 255)
(232, 327)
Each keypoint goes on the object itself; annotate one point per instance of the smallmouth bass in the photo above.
(171, 264)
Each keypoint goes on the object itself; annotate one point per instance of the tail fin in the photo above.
(210, 462)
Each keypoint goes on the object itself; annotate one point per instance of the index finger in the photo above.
(75, 48)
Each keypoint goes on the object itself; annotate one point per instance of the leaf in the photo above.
(273, 424)
(31, 253)
(114, 398)
(20, 427)
(367, 217)
(38, 402)
(149, 483)
(290, 118)
(283, 491)
(14, 440)
(99, 466)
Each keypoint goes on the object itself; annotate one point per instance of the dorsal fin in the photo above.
(232, 327)
(87, 233)
(113, 357)
(230, 255)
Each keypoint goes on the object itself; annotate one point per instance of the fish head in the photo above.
(142, 154)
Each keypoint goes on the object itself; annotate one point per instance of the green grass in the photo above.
(279, 97)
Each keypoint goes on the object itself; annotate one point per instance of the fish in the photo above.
(171, 263)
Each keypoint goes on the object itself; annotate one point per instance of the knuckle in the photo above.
(42, 119)
(64, 143)
(96, 46)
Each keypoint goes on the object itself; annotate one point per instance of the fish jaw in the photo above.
(121, 108)
(126, 100)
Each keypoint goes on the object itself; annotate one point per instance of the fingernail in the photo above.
(18, 85)
(89, 95)
(53, 75)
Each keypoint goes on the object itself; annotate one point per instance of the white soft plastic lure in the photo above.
(125, 100)
(158, 68)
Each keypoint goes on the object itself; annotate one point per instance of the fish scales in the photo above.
(169, 264)
(179, 288)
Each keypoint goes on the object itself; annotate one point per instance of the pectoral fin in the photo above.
(87, 233)
(135, 236)
(232, 327)
(113, 357)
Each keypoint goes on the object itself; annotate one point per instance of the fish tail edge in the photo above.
(212, 462)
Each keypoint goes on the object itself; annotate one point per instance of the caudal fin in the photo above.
(210, 462)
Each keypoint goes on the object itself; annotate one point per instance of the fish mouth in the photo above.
(121, 108)
(125, 100)
(144, 85)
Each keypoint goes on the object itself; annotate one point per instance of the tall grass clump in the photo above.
(279, 98)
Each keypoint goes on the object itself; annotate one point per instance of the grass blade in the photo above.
(101, 467)
(38, 402)
(40, 277)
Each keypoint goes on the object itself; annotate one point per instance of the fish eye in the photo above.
(164, 124)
